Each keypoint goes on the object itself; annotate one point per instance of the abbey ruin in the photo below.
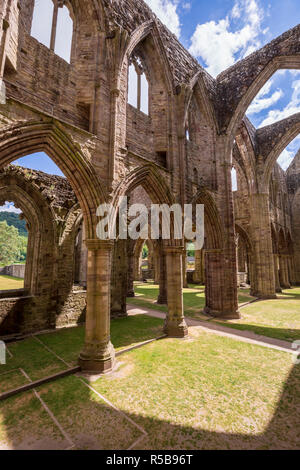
(179, 147)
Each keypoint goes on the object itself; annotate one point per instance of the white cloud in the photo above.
(186, 6)
(285, 159)
(291, 108)
(167, 12)
(262, 101)
(9, 207)
(218, 46)
(287, 156)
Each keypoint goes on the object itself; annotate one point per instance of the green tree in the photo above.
(12, 247)
(145, 252)
(14, 220)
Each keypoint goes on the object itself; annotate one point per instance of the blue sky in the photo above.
(218, 33)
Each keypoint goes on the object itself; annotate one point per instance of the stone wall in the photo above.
(14, 270)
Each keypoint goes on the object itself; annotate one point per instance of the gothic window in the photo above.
(138, 86)
(234, 179)
(52, 26)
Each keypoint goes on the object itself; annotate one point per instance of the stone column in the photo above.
(98, 354)
(199, 274)
(283, 272)
(156, 269)
(215, 298)
(287, 272)
(54, 25)
(276, 273)
(175, 325)
(291, 270)
(130, 277)
(184, 269)
(163, 294)
(263, 249)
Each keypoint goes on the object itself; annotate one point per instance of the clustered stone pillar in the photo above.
(276, 273)
(163, 293)
(291, 270)
(264, 281)
(175, 325)
(98, 354)
(130, 278)
(184, 269)
(284, 272)
(199, 274)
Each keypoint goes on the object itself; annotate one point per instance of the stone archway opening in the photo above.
(14, 238)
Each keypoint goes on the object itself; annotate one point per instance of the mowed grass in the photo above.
(10, 283)
(279, 318)
(275, 318)
(31, 356)
(193, 298)
(207, 392)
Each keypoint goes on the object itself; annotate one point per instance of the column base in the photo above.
(278, 290)
(266, 296)
(162, 300)
(232, 315)
(131, 294)
(97, 358)
(286, 286)
(176, 330)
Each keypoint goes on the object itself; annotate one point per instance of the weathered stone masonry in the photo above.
(78, 114)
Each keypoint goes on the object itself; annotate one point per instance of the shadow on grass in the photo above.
(91, 424)
(67, 344)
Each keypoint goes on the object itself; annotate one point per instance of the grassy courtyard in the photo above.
(8, 283)
(201, 393)
(275, 318)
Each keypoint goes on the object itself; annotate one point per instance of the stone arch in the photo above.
(214, 233)
(244, 149)
(149, 177)
(196, 88)
(273, 156)
(27, 138)
(42, 252)
(147, 29)
(218, 301)
(261, 78)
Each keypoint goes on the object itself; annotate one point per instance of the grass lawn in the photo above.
(193, 299)
(37, 362)
(275, 318)
(207, 392)
(8, 282)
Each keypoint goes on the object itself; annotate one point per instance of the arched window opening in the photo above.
(81, 253)
(138, 86)
(52, 26)
(64, 34)
(13, 248)
(42, 21)
(234, 179)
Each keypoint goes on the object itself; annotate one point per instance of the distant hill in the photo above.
(12, 219)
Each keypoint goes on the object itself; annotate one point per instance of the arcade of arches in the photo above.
(182, 150)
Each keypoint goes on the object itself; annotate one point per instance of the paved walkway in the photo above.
(246, 336)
